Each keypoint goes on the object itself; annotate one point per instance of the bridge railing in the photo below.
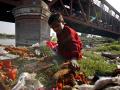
(111, 16)
(93, 12)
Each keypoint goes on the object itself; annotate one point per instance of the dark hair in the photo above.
(55, 17)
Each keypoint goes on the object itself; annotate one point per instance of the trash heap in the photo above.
(37, 67)
(21, 51)
(8, 72)
(26, 59)
(35, 59)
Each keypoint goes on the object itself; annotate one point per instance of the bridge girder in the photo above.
(11, 2)
(6, 12)
(91, 29)
(8, 5)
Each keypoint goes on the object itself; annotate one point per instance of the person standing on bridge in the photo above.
(69, 43)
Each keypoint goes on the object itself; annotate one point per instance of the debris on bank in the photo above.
(34, 67)
(110, 55)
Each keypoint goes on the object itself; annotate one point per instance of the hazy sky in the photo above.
(9, 28)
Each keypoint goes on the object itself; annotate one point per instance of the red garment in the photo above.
(51, 44)
(69, 43)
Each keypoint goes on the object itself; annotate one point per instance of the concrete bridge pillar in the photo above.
(31, 22)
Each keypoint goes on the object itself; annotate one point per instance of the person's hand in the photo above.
(75, 64)
(65, 64)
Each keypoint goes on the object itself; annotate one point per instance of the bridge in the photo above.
(89, 16)
(96, 17)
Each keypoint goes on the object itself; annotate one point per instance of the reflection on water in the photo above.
(7, 41)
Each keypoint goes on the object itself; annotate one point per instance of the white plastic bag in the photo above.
(36, 45)
(27, 81)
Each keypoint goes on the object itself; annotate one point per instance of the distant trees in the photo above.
(6, 36)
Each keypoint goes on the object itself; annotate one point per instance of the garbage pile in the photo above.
(27, 81)
(41, 70)
(8, 74)
(69, 78)
(8, 71)
(17, 60)
(21, 51)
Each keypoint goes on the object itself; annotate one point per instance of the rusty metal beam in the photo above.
(89, 10)
(53, 2)
(71, 7)
(11, 2)
(75, 20)
(64, 7)
(84, 16)
(90, 29)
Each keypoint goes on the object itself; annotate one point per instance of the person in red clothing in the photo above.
(69, 43)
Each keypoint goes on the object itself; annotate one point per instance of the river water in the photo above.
(7, 41)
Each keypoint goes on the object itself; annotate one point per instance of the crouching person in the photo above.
(69, 43)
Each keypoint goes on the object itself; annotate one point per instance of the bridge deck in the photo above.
(79, 15)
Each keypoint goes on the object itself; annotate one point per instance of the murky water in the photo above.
(7, 41)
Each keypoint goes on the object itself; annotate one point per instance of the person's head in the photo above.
(56, 22)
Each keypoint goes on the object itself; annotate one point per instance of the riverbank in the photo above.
(41, 63)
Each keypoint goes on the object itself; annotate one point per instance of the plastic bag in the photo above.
(27, 81)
